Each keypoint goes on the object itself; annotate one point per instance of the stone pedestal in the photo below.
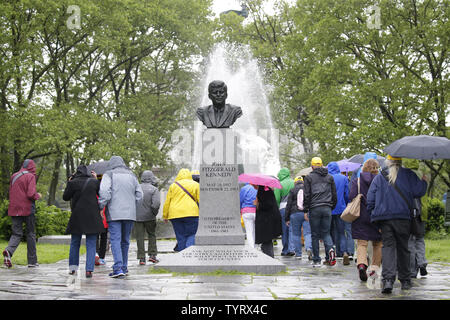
(220, 241)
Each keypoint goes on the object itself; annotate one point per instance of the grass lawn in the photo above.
(46, 253)
(437, 250)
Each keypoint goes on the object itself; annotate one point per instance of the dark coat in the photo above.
(85, 217)
(362, 228)
(385, 203)
(268, 217)
(320, 190)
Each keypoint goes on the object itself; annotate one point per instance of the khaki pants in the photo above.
(361, 252)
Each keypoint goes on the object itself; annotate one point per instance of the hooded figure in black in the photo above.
(82, 190)
(268, 220)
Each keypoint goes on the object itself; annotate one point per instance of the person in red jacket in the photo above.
(22, 195)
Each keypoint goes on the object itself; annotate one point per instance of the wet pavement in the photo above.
(301, 281)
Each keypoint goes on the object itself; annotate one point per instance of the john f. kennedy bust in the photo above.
(219, 114)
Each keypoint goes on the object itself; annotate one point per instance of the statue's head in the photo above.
(217, 91)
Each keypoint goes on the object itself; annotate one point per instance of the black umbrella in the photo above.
(99, 167)
(421, 147)
(359, 158)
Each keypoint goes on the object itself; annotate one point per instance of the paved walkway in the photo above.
(52, 282)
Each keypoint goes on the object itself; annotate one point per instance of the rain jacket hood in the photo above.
(322, 171)
(148, 177)
(183, 174)
(29, 165)
(333, 168)
(116, 162)
(283, 174)
(82, 171)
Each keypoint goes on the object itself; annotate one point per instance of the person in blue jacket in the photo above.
(341, 231)
(391, 213)
(247, 197)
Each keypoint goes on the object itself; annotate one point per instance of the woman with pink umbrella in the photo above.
(268, 218)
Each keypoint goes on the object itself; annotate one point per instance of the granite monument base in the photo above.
(240, 258)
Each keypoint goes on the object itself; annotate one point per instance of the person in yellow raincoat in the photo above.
(182, 207)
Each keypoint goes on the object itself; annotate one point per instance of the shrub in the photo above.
(433, 212)
(50, 220)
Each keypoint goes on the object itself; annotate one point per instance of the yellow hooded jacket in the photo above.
(178, 203)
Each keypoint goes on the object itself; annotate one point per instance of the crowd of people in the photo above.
(305, 212)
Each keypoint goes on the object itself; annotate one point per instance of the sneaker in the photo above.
(125, 271)
(72, 272)
(298, 257)
(362, 269)
(142, 262)
(153, 259)
(316, 264)
(387, 286)
(33, 265)
(350, 257)
(101, 262)
(290, 254)
(116, 274)
(310, 255)
(423, 271)
(346, 259)
(406, 285)
(97, 260)
(7, 259)
(332, 257)
(88, 274)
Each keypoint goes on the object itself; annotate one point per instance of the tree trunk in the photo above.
(54, 183)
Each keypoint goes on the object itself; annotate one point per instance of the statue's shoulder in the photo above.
(235, 109)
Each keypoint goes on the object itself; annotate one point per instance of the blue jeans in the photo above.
(320, 222)
(74, 251)
(185, 230)
(297, 222)
(288, 245)
(338, 234)
(350, 243)
(120, 232)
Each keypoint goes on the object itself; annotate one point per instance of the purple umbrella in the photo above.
(347, 166)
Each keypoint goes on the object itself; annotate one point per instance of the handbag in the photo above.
(352, 211)
(416, 228)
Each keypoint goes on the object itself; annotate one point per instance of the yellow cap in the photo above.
(298, 179)
(195, 172)
(316, 161)
(389, 157)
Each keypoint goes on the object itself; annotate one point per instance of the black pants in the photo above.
(395, 253)
(102, 240)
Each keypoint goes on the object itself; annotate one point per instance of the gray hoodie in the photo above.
(119, 191)
(148, 209)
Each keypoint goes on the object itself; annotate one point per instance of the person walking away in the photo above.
(268, 219)
(391, 213)
(247, 197)
(281, 197)
(121, 193)
(320, 199)
(362, 229)
(356, 173)
(295, 219)
(182, 209)
(82, 191)
(416, 246)
(22, 209)
(146, 213)
(341, 230)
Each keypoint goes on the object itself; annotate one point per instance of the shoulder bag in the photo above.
(352, 211)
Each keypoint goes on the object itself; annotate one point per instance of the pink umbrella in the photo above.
(260, 180)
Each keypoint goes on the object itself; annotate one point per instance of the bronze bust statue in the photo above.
(219, 114)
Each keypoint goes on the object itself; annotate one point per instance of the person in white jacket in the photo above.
(120, 192)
